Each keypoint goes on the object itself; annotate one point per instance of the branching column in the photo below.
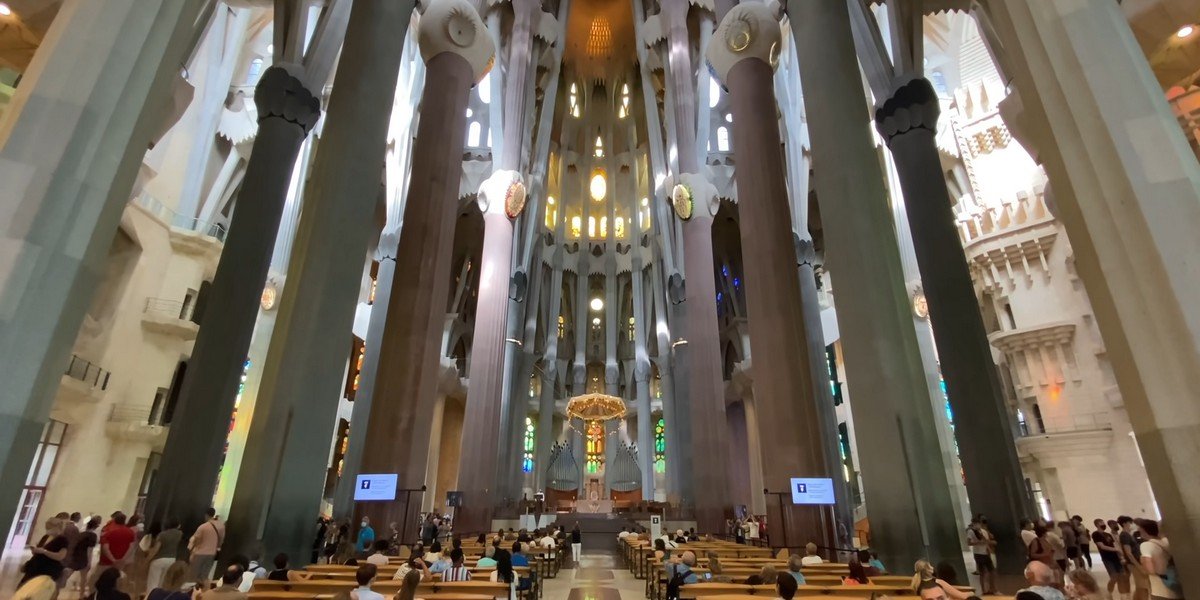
(102, 67)
(405, 394)
(194, 451)
(283, 469)
(908, 501)
(788, 417)
(908, 122)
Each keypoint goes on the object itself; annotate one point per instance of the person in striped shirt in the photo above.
(457, 572)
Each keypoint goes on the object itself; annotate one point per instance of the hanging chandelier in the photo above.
(595, 407)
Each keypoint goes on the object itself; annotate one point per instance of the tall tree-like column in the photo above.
(908, 501)
(501, 198)
(788, 417)
(280, 482)
(1127, 189)
(906, 116)
(405, 394)
(288, 104)
(103, 67)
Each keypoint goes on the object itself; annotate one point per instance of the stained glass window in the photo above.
(595, 447)
(530, 445)
(660, 446)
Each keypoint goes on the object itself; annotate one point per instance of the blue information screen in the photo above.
(370, 488)
(812, 491)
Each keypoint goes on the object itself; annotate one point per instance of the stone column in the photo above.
(1126, 188)
(788, 415)
(97, 82)
(283, 468)
(194, 451)
(645, 428)
(482, 423)
(546, 435)
(404, 395)
(907, 498)
(908, 123)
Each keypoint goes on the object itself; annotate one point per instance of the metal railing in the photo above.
(1094, 421)
(165, 214)
(88, 373)
(135, 415)
(169, 308)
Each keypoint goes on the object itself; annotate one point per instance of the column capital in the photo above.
(698, 198)
(749, 30)
(913, 105)
(806, 254)
(641, 369)
(282, 95)
(502, 193)
(455, 26)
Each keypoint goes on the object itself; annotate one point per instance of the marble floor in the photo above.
(599, 577)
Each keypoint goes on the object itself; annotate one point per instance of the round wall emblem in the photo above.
(681, 200)
(514, 199)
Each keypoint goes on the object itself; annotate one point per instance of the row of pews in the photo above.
(739, 562)
(323, 582)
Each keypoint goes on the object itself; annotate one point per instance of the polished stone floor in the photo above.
(599, 577)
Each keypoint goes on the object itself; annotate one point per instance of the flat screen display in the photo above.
(373, 488)
(812, 491)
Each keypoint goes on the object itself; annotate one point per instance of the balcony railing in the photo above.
(136, 415)
(88, 373)
(155, 207)
(1097, 421)
(169, 308)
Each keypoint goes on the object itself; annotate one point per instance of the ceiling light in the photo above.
(597, 304)
(550, 200)
(1185, 31)
(5, 10)
(645, 202)
(596, 321)
(271, 49)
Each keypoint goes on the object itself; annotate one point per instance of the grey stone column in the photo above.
(284, 465)
(907, 498)
(194, 450)
(1127, 189)
(545, 430)
(645, 429)
(405, 394)
(908, 122)
(64, 194)
(788, 416)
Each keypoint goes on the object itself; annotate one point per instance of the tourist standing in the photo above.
(1158, 562)
(167, 543)
(981, 543)
(116, 546)
(1110, 556)
(48, 554)
(366, 535)
(204, 544)
(1084, 538)
(80, 559)
(576, 543)
(1131, 553)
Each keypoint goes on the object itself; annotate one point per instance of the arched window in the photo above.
(551, 212)
(530, 445)
(619, 227)
(714, 92)
(660, 446)
(576, 227)
(591, 227)
(256, 66)
(485, 89)
(562, 326)
(473, 133)
(595, 446)
(722, 139)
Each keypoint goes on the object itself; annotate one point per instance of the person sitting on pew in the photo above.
(365, 576)
(692, 536)
(408, 588)
(768, 574)
(379, 558)
(857, 576)
(660, 549)
(489, 557)
(810, 555)
(518, 555)
(680, 538)
(795, 563)
(925, 575)
(283, 573)
(877, 564)
(682, 565)
(869, 567)
(785, 586)
(414, 563)
(547, 541)
(456, 572)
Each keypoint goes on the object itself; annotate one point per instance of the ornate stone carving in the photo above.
(455, 26)
(914, 105)
(281, 95)
(748, 30)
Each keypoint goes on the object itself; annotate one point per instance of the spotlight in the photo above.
(596, 321)
(1185, 32)
(5, 9)
(597, 304)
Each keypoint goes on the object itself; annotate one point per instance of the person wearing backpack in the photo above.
(1158, 562)
(679, 573)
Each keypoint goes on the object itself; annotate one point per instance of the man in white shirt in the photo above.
(365, 576)
(810, 556)
(379, 558)
(1027, 533)
(624, 533)
(548, 542)
(1156, 559)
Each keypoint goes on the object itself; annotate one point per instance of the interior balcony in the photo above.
(1077, 434)
(170, 317)
(82, 383)
(137, 424)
